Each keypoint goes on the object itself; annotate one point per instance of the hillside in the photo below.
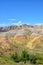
(26, 36)
(18, 38)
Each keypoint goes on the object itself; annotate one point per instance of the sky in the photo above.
(21, 12)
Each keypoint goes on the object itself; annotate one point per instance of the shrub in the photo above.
(15, 57)
(33, 59)
(24, 56)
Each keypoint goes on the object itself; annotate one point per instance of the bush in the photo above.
(33, 59)
(24, 56)
(15, 57)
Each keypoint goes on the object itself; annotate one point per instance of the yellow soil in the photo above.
(30, 43)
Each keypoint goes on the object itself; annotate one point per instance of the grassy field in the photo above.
(9, 61)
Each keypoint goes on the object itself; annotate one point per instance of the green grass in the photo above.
(6, 61)
(39, 57)
(9, 61)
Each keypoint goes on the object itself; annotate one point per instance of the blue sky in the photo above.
(21, 11)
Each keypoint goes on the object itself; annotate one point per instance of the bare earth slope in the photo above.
(17, 38)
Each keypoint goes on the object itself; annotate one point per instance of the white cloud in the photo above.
(39, 24)
(18, 23)
(11, 19)
(13, 23)
(1, 25)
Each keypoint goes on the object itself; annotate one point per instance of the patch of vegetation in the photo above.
(39, 58)
(24, 57)
(15, 57)
(33, 59)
